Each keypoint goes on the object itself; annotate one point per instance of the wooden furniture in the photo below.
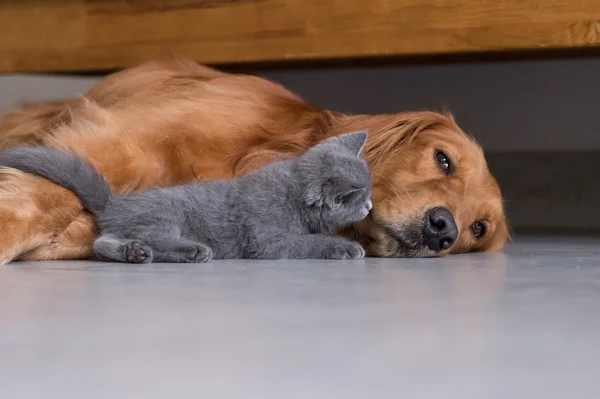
(80, 35)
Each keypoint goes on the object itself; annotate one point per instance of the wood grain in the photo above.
(67, 35)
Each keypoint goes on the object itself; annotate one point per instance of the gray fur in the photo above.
(65, 169)
(288, 209)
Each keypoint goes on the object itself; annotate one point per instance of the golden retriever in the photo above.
(173, 121)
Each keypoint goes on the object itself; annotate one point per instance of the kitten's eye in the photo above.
(443, 162)
(349, 197)
(478, 229)
(341, 199)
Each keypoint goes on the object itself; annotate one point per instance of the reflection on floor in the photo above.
(520, 324)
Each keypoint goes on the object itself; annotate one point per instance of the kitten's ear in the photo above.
(353, 141)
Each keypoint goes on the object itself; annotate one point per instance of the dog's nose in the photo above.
(439, 230)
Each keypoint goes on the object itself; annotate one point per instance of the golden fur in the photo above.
(169, 122)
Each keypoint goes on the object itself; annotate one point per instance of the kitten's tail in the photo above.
(66, 169)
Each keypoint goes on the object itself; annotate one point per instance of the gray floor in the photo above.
(520, 324)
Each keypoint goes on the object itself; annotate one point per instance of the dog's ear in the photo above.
(390, 134)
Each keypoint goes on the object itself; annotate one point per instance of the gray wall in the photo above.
(16, 89)
(545, 110)
(507, 106)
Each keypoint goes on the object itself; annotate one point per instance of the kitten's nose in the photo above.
(369, 205)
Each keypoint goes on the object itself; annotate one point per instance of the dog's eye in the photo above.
(478, 229)
(443, 162)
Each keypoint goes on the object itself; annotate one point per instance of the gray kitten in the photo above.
(288, 209)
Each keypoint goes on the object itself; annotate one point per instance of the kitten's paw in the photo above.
(199, 254)
(347, 250)
(136, 252)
